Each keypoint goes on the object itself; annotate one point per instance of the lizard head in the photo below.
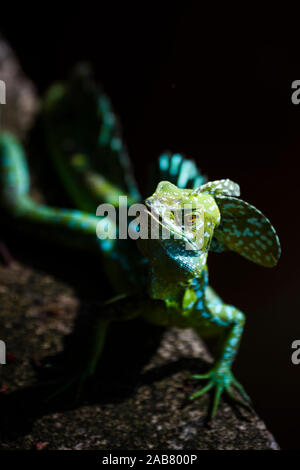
(185, 220)
(210, 217)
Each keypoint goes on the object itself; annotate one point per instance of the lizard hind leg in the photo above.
(66, 226)
(120, 308)
(91, 355)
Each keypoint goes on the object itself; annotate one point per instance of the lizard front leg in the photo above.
(218, 318)
(120, 308)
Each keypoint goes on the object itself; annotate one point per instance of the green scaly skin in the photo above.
(166, 280)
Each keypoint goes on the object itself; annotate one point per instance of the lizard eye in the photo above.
(190, 219)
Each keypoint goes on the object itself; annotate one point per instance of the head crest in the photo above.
(243, 228)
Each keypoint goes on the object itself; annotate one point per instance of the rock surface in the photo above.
(138, 398)
(21, 98)
(142, 407)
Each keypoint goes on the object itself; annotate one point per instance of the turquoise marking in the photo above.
(164, 162)
(176, 160)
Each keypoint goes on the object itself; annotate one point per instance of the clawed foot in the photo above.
(222, 380)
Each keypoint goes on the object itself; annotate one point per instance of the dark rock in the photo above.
(152, 413)
(21, 98)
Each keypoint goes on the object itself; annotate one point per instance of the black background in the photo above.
(217, 87)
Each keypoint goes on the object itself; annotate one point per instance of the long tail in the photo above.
(69, 227)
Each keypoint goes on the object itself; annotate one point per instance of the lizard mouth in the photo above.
(190, 244)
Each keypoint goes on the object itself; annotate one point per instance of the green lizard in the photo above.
(165, 281)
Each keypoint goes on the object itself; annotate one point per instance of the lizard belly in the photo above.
(159, 312)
